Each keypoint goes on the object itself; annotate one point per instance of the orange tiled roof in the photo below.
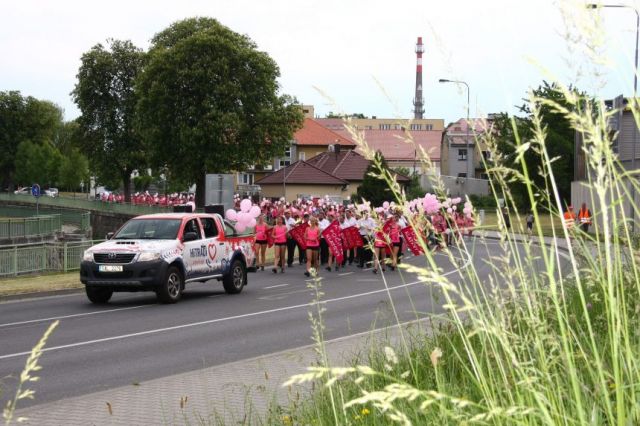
(314, 133)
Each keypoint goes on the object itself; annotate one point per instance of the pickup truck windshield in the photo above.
(149, 229)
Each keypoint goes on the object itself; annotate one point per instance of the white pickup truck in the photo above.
(163, 252)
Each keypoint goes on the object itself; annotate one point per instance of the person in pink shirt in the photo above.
(312, 240)
(394, 237)
(262, 239)
(379, 249)
(280, 244)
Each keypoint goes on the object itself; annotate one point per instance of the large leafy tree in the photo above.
(559, 140)
(24, 119)
(374, 188)
(106, 96)
(209, 102)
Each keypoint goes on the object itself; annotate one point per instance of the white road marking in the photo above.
(346, 273)
(71, 316)
(217, 320)
(276, 286)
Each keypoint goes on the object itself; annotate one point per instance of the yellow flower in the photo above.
(365, 411)
(287, 420)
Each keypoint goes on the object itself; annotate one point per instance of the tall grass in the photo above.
(531, 344)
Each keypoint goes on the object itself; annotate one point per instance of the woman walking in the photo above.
(312, 240)
(394, 237)
(280, 244)
(262, 231)
(379, 250)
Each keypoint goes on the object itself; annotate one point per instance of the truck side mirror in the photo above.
(109, 235)
(189, 236)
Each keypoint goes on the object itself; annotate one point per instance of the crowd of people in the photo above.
(331, 236)
(148, 199)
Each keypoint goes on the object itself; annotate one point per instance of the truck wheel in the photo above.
(99, 295)
(235, 279)
(170, 290)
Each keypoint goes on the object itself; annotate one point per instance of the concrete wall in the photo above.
(104, 222)
(458, 186)
(581, 193)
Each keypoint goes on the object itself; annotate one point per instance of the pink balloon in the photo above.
(240, 228)
(252, 223)
(255, 211)
(385, 205)
(245, 205)
(231, 214)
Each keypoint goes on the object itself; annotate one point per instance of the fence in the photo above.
(79, 218)
(83, 204)
(30, 226)
(43, 257)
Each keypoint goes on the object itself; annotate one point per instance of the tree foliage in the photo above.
(373, 188)
(209, 102)
(559, 140)
(106, 96)
(24, 119)
(74, 170)
(332, 114)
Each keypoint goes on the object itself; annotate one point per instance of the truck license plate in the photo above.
(110, 268)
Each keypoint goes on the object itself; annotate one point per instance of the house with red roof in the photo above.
(336, 173)
(464, 152)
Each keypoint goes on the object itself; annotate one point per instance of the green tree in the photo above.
(209, 103)
(106, 96)
(373, 188)
(24, 119)
(332, 114)
(74, 170)
(559, 141)
(414, 189)
(37, 163)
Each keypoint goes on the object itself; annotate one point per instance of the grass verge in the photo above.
(39, 283)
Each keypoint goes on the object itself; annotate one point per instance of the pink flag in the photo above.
(411, 240)
(331, 235)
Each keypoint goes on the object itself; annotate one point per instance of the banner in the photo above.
(331, 235)
(351, 238)
(386, 230)
(411, 240)
(297, 233)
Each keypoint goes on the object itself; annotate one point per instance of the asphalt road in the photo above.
(134, 339)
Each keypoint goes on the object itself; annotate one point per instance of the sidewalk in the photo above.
(234, 393)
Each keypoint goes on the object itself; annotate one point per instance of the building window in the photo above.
(301, 156)
(368, 127)
(287, 152)
(484, 176)
(462, 155)
(428, 126)
(457, 129)
(416, 127)
(284, 163)
(385, 126)
(462, 175)
(245, 178)
(486, 155)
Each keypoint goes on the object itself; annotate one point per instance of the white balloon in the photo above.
(252, 223)
(245, 205)
(231, 214)
(255, 211)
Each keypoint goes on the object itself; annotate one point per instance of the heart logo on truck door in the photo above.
(212, 251)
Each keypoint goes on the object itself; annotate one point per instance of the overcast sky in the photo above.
(360, 53)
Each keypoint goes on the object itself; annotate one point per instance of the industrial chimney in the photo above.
(418, 100)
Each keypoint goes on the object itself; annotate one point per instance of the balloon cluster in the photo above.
(246, 217)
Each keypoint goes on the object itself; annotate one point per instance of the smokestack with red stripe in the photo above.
(418, 100)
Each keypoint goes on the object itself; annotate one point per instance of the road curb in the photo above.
(39, 294)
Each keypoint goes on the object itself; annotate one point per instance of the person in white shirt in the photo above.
(291, 243)
(366, 226)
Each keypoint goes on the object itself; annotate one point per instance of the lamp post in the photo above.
(635, 91)
(444, 80)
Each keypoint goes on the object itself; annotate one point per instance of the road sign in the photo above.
(35, 190)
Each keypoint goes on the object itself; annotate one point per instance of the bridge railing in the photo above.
(30, 226)
(22, 259)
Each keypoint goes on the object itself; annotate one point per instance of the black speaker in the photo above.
(214, 208)
(182, 208)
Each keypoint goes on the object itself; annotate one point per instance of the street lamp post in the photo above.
(444, 80)
(635, 91)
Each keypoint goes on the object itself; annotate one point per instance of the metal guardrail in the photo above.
(81, 219)
(87, 205)
(30, 226)
(22, 259)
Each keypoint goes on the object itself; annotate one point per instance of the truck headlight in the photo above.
(147, 256)
(88, 256)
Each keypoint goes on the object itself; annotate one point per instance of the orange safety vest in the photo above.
(584, 216)
(569, 218)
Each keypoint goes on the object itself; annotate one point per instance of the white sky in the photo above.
(343, 47)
